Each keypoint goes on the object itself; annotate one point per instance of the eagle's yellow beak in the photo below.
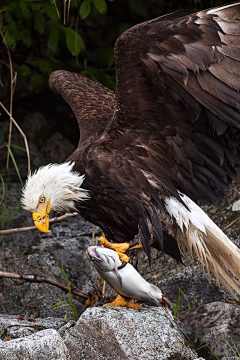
(41, 217)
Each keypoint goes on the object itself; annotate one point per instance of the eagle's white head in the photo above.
(52, 187)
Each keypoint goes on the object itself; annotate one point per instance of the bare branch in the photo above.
(41, 279)
(21, 132)
(11, 102)
(231, 223)
(27, 228)
(95, 286)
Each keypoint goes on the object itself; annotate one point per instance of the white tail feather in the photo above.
(206, 243)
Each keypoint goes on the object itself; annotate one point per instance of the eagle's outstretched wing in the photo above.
(90, 101)
(178, 101)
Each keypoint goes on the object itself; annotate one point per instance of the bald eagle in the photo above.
(167, 138)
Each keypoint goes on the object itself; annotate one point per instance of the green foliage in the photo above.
(63, 34)
(101, 6)
(177, 306)
(52, 42)
(204, 346)
(235, 351)
(7, 216)
(85, 9)
(14, 161)
(3, 189)
(74, 42)
(67, 303)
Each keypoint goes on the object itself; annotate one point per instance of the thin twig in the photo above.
(69, 4)
(54, 1)
(95, 286)
(231, 223)
(41, 279)
(27, 228)
(12, 80)
(22, 133)
(93, 234)
(103, 288)
(11, 103)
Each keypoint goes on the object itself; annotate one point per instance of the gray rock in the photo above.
(106, 333)
(56, 148)
(32, 299)
(46, 344)
(218, 325)
(12, 328)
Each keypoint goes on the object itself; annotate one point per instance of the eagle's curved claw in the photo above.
(122, 302)
(119, 248)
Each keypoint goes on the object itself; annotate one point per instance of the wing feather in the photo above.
(178, 80)
(91, 103)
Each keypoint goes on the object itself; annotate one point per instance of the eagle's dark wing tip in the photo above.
(57, 76)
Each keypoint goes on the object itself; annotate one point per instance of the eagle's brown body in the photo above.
(172, 127)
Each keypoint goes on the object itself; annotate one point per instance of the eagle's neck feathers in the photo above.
(57, 182)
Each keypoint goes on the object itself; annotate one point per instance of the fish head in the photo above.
(104, 259)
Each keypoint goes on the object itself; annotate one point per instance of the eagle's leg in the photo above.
(119, 248)
(121, 301)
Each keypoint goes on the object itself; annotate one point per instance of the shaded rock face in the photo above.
(46, 344)
(14, 327)
(32, 299)
(100, 334)
(120, 334)
(218, 325)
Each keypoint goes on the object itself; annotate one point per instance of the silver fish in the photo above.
(125, 279)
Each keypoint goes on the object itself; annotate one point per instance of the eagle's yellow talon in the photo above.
(123, 257)
(119, 248)
(120, 301)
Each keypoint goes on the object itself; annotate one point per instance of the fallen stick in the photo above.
(27, 228)
(41, 279)
(231, 223)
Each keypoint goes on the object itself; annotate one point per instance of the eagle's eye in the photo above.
(42, 199)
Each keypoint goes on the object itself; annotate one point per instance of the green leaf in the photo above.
(35, 81)
(25, 35)
(14, 163)
(10, 39)
(35, 6)
(44, 65)
(3, 189)
(11, 31)
(51, 12)
(74, 42)
(85, 9)
(101, 6)
(53, 38)
(25, 70)
(7, 16)
(39, 23)
(25, 11)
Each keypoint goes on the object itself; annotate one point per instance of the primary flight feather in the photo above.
(168, 137)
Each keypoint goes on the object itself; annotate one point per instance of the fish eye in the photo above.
(42, 199)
